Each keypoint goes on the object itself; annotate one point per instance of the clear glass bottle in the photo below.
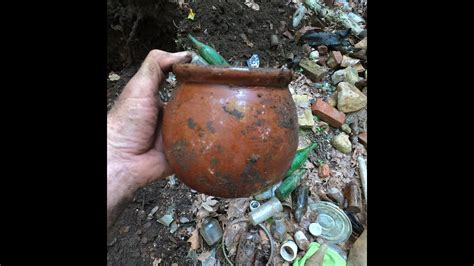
(211, 231)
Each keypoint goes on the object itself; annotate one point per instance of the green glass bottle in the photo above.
(300, 158)
(208, 53)
(289, 184)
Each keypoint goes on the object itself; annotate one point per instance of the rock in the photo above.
(322, 60)
(113, 76)
(348, 61)
(359, 68)
(346, 128)
(301, 100)
(342, 143)
(328, 113)
(335, 59)
(324, 171)
(351, 75)
(312, 70)
(361, 54)
(349, 98)
(323, 49)
(305, 120)
(338, 76)
(362, 44)
(314, 55)
(332, 100)
(363, 138)
(144, 240)
(273, 40)
(361, 84)
(288, 35)
(358, 252)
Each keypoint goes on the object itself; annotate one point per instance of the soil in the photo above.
(133, 29)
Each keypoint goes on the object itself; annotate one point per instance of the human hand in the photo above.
(135, 155)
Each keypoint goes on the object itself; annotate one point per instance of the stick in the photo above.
(363, 175)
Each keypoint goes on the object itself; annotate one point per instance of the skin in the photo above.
(135, 155)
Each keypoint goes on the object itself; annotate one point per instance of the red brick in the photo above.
(337, 56)
(324, 171)
(323, 49)
(363, 138)
(327, 113)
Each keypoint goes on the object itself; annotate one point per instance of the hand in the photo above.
(135, 155)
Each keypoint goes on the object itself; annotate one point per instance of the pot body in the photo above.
(229, 140)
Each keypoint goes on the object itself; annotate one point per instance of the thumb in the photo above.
(152, 72)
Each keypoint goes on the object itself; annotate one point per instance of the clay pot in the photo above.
(230, 132)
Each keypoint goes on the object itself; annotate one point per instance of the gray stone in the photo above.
(349, 98)
(346, 128)
(342, 143)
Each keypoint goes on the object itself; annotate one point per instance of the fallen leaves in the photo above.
(237, 207)
(191, 14)
(194, 240)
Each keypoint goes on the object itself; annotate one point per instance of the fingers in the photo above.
(166, 60)
(152, 72)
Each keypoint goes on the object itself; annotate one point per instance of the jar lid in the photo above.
(335, 225)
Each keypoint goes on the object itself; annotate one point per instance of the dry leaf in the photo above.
(194, 240)
(237, 207)
(204, 256)
(174, 264)
(191, 14)
(207, 207)
(156, 262)
(211, 201)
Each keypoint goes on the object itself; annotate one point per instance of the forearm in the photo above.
(120, 191)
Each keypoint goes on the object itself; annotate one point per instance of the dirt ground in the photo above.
(133, 239)
(136, 27)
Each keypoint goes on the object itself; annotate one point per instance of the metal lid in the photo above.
(335, 225)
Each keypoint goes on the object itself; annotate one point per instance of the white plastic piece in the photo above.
(289, 250)
(315, 229)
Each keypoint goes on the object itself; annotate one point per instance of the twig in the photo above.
(363, 175)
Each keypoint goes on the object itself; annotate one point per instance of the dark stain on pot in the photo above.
(201, 179)
(259, 95)
(250, 174)
(201, 132)
(285, 119)
(223, 179)
(210, 127)
(220, 149)
(191, 123)
(214, 161)
(254, 157)
(232, 111)
(260, 122)
(180, 150)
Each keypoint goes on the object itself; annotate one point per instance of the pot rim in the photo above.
(239, 76)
